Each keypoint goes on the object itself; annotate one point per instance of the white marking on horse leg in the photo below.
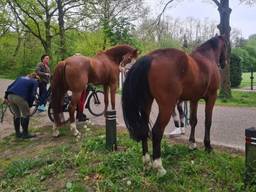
(175, 117)
(183, 120)
(74, 130)
(192, 145)
(55, 131)
(157, 164)
(146, 161)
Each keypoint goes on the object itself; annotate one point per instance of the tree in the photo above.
(224, 28)
(107, 12)
(5, 20)
(235, 70)
(68, 10)
(36, 16)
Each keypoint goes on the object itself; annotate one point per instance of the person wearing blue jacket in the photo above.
(20, 96)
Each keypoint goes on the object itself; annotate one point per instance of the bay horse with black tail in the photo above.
(169, 75)
(75, 72)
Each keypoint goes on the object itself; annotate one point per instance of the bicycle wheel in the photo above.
(35, 104)
(34, 107)
(3, 108)
(67, 100)
(96, 104)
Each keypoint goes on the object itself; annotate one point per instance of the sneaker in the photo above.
(41, 108)
(175, 133)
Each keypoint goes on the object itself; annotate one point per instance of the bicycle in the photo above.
(33, 108)
(94, 102)
(3, 108)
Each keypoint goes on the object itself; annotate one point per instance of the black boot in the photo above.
(24, 124)
(16, 122)
(81, 117)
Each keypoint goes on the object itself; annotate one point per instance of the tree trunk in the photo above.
(48, 37)
(224, 28)
(61, 29)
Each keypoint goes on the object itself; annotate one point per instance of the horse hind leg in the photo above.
(157, 134)
(72, 109)
(56, 125)
(193, 123)
(146, 157)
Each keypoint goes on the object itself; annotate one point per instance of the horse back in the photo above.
(103, 70)
(76, 72)
(179, 74)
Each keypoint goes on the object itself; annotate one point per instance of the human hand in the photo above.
(6, 101)
(48, 74)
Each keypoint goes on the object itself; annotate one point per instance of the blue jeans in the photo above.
(42, 93)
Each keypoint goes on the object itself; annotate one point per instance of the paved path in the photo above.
(228, 124)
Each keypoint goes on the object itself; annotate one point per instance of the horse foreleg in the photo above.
(175, 118)
(72, 108)
(113, 96)
(157, 134)
(210, 101)
(106, 93)
(193, 122)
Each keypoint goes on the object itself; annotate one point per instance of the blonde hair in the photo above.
(33, 75)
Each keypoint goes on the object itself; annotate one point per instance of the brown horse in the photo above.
(75, 72)
(169, 75)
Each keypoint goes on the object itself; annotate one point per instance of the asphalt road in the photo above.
(228, 124)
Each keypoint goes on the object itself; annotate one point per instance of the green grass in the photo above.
(239, 99)
(66, 165)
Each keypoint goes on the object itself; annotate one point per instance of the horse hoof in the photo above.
(56, 134)
(147, 166)
(157, 164)
(147, 162)
(78, 137)
(208, 149)
(161, 172)
(192, 146)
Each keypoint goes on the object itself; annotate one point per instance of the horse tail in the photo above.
(59, 88)
(135, 96)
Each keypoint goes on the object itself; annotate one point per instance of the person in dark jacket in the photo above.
(20, 96)
(43, 71)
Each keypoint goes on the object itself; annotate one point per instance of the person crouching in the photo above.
(20, 96)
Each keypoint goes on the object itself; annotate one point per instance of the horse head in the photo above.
(223, 51)
(129, 58)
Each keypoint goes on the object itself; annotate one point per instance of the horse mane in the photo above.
(212, 43)
(116, 52)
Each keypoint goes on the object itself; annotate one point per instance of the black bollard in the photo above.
(111, 130)
(251, 78)
(250, 156)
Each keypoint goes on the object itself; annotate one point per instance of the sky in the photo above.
(243, 17)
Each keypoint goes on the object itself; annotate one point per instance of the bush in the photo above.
(235, 70)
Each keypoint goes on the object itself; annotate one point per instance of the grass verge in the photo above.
(61, 164)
